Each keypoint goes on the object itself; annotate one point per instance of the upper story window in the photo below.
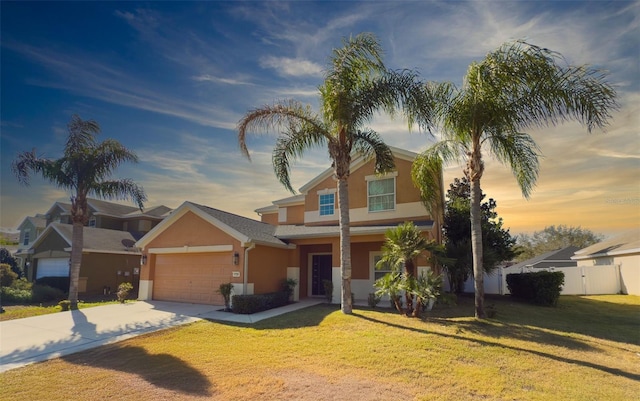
(327, 204)
(381, 194)
(25, 241)
(92, 222)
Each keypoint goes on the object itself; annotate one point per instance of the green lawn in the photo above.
(22, 311)
(588, 348)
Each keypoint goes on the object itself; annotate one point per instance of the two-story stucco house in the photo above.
(195, 249)
(108, 256)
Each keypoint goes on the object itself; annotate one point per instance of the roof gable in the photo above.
(557, 255)
(94, 239)
(625, 243)
(357, 162)
(241, 228)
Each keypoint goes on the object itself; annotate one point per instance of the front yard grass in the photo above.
(588, 348)
(22, 311)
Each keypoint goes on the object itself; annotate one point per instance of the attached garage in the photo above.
(52, 267)
(192, 277)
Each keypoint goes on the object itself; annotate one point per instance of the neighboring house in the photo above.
(190, 253)
(44, 256)
(30, 229)
(556, 258)
(112, 216)
(108, 257)
(622, 251)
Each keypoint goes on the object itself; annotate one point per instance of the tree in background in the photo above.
(357, 86)
(83, 169)
(552, 238)
(497, 242)
(6, 258)
(513, 89)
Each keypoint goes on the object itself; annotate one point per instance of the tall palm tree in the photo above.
(83, 169)
(356, 86)
(517, 87)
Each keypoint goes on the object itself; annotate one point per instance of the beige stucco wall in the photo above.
(102, 270)
(267, 268)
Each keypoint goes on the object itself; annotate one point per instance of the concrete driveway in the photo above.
(40, 338)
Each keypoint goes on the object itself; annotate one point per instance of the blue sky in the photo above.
(170, 80)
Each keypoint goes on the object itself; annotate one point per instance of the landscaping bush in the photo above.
(45, 293)
(11, 295)
(247, 304)
(61, 283)
(328, 290)
(123, 291)
(7, 276)
(541, 288)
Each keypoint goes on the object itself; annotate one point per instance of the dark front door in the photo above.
(320, 271)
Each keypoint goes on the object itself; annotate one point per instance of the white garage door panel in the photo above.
(191, 278)
(52, 267)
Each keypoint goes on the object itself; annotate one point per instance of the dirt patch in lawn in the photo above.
(311, 386)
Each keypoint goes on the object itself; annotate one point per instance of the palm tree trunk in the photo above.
(476, 247)
(345, 245)
(76, 261)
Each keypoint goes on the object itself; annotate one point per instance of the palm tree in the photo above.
(517, 87)
(83, 170)
(400, 251)
(356, 86)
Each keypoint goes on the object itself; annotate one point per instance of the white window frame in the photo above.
(92, 222)
(282, 215)
(327, 191)
(372, 178)
(25, 238)
(374, 257)
(332, 205)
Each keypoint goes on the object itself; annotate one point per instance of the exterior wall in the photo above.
(361, 269)
(53, 242)
(629, 270)
(101, 270)
(267, 268)
(109, 223)
(408, 202)
(191, 230)
(58, 214)
(270, 218)
(295, 215)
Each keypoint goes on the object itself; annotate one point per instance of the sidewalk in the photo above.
(40, 338)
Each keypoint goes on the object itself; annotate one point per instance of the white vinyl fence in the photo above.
(578, 280)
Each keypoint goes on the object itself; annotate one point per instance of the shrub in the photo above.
(288, 284)
(541, 288)
(123, 291)
(22, 284)
(247, 304)
(11, 295)
(45, 293)
(7, 276)
(65, 305)
(61, 283)
(226, 289)
(328, 290)
(373, 300)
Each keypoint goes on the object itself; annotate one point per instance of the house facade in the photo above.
(30, 229)
(623, 252)
(108, 258)
(197, 248)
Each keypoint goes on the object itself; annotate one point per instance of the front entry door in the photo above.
(320, 271)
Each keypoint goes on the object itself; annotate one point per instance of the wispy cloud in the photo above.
(229, 81)
(291, 67)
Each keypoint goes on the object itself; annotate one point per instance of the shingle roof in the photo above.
(253, 229)
(110, 208)
(556, 258)
(628, 242)
(99, 239)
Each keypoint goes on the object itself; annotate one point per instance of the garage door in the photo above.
(192, 278)
(52, 267)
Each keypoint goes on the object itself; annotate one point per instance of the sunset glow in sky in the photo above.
(170, 80)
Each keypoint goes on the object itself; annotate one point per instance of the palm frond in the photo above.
(81, 135)
(291, 145)
(521, 153)
(426, 173)
(277, 117)
(52, 170)
(122, 189)
(370, 145)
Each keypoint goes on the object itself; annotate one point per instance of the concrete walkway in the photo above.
(40, 338)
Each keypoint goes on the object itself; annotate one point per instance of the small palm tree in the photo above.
(517, 87)
(83, 169)
(356, 86)
(400, 251)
